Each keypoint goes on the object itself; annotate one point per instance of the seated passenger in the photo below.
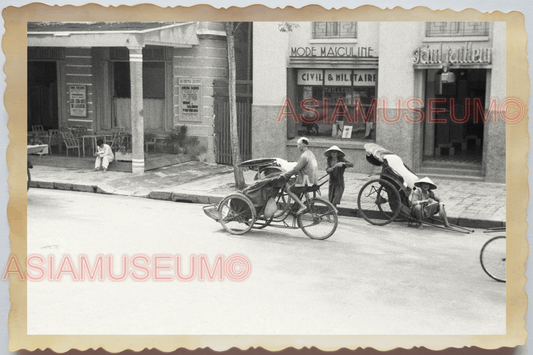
(425, 204)
(307, 170)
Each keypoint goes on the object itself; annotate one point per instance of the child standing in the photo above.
(336, 164)
(104, 156)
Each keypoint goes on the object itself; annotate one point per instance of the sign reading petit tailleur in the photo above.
(463, 54)
(332, 51)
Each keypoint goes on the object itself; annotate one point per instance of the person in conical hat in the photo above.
(336, 164)
(426, 180)
(424, 202)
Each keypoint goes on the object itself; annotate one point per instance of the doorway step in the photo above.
(451, 171)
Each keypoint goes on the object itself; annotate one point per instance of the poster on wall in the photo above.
(190, 95)
(78, 100)
(347, 132)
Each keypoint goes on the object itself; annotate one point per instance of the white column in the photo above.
(137, 120)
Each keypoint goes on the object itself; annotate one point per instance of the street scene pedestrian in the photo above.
(104, 156)
(336, 165)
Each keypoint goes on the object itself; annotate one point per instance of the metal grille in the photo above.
(222, 130)
(334, 30)
(457, 29)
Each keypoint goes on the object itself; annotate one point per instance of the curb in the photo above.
(214, 199)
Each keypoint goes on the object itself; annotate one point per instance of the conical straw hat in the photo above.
(426, 180)
(334, 148)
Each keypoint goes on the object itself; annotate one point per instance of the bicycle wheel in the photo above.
(237, 214)
(320, 219)
(379, 202)
(492, 258)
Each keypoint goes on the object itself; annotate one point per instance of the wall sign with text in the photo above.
(78, 100)
(190, 99)
(359, 77)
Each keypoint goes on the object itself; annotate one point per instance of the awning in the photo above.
(112, 34)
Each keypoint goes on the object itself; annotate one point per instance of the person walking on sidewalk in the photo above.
(425, 204)
(336, 164)
(104, 156)
(307, 170)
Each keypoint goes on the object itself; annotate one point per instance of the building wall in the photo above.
(205, 62)
(397, 81)
(77, 71)
(270, 50)
(494, 149)
(398, 78)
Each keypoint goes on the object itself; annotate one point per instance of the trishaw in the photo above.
(387, 198)
(265, 203)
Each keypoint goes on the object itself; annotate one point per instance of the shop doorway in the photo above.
(42, 95)
(455, 137)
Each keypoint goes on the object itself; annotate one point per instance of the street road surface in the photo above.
(363, 280)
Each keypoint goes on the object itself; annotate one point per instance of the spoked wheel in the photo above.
(320, 220)
(237, 214)
(492, 258)
(379, 202)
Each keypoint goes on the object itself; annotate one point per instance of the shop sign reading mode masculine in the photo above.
(342, 51)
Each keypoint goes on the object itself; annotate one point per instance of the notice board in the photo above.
(78, 100)
(190, 99)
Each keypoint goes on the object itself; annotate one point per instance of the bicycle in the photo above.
(240, 212)
(493, 255)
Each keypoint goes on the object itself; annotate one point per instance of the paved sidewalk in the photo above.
(470, 204)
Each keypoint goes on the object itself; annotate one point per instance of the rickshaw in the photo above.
(387, 198)
(266, 203)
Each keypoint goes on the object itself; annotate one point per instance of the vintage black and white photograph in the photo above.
(259, 178)
(266, 178)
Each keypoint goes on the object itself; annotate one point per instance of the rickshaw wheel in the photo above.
(379, 202)
(237, 213)
(320, 219)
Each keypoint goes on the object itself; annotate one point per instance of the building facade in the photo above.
(432, 92)
(141, 77)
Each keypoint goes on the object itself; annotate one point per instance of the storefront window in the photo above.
(325, 30)
(338, 104)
